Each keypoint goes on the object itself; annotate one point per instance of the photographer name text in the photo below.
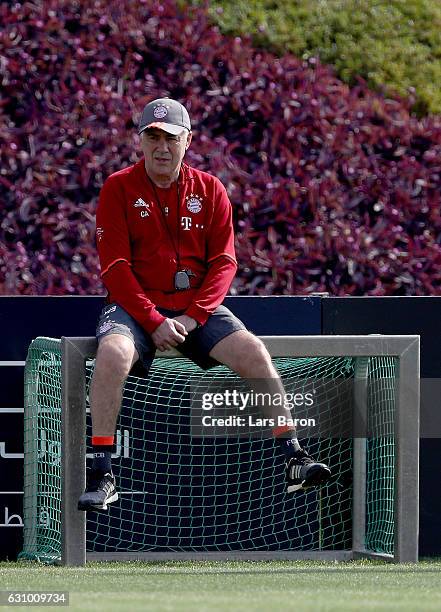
(252, 421)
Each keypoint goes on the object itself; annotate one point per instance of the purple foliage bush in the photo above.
(334, 188)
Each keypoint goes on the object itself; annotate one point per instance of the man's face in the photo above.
(164, 152)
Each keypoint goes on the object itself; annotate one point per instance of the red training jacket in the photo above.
(137, 256)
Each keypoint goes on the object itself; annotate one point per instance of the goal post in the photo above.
(395, 450)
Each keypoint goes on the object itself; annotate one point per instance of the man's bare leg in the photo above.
(246, 355)
(115, 357)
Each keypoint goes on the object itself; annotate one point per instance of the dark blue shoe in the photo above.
(99, 492)
(303, 472)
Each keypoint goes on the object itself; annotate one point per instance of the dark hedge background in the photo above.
(334, 188)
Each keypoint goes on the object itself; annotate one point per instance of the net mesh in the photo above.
(180, 493)
(380, 456)
(42, 451)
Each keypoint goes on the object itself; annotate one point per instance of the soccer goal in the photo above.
(186, 495)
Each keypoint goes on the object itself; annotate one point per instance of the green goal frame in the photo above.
(75, 352)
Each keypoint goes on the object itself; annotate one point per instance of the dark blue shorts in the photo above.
(197, 345)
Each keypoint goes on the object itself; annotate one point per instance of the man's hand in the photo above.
(189, 323)
(169, 334)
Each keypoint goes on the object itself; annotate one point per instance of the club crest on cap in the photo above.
(194, 203)
(160, 111)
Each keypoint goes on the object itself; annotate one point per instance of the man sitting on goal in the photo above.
(166, 248)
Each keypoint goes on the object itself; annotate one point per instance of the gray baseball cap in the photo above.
(165, 114)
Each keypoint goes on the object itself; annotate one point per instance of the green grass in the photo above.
(391, 43)
(232, 586)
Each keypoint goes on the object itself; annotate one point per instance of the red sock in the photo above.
(102, 453)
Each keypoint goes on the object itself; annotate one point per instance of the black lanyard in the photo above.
(164, 218)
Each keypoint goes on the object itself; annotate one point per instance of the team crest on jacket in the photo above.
(194, 203)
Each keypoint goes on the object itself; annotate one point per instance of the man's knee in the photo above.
(251, 356)
(255, 353)
(116, 355)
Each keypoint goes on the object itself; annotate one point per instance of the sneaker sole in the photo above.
(318, 477)
(98, 507)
